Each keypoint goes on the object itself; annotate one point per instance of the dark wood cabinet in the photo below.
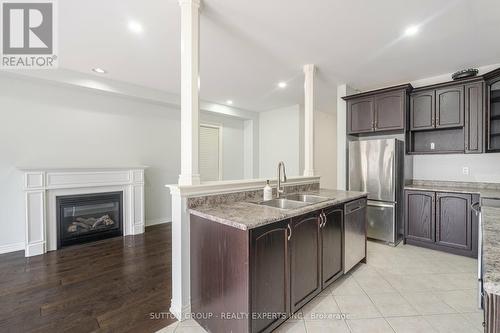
(331, 245)
(390, 111)
(450, 107)
(474, 117)
(453, 220)
(270, 271)
(422, 110)
(437, 108)
(493, 111)
(420, 208)
(377, 111)
(361, 115)
(447, 118)
(304, 259)
(442, 221)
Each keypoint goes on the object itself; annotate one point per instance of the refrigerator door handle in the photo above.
(382, 204)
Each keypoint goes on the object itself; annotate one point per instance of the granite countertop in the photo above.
(485, 193)
(491, 249)
(249, 215)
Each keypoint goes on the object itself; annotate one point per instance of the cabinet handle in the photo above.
(290, 232)
(324, 220)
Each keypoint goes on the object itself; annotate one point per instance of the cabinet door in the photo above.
(420, 216)
(450, 107)
(360, 115)
(304, 259)
(390, 111)
(331, 245)
(453, 220)
(474, 113)
(270, 271)
(422, 110)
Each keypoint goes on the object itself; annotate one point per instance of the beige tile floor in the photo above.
(403, 289)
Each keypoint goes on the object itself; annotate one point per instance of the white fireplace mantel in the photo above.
(43, 186)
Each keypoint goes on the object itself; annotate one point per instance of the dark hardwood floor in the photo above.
(107, 286)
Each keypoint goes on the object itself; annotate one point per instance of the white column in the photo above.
(190, 109)
(309, 120)
(181, 273)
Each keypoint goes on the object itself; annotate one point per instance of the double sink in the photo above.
(293, 201)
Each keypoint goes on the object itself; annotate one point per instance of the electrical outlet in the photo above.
(433, 146)
(466, 171)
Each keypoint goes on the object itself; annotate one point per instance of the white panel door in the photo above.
(210, 153)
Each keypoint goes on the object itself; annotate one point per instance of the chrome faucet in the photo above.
(281, 189)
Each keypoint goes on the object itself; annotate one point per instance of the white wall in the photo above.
(279, 141)
(325, 148)
(56, 125)
(232, 144)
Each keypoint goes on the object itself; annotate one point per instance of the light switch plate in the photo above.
(433, 146)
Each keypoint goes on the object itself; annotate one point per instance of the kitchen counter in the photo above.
(486, 191)
(491, 249)
(249, 215)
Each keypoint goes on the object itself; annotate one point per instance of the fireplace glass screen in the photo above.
(89, 217)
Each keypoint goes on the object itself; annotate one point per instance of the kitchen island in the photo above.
(252, 266)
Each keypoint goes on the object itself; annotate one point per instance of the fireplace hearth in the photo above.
(88, 217)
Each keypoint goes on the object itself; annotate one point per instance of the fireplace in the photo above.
(88, 217)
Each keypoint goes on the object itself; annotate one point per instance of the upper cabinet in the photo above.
(437, 108)
(361, 115)
(422, 110)
(390, 109)
(377, 111)
(450, 107)
(493, 111)
(447, 118)
(456, 117)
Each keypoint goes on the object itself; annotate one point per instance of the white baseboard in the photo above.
(11, 247)
(157, 221)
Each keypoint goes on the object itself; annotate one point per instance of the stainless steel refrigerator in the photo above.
(377, 167)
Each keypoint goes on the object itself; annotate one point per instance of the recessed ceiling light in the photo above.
(282, 84)
(412, 30)
(229, 102)
(99, 70)
(135, 27)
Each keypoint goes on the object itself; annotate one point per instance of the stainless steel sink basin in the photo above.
(309, 198)
(283, 203)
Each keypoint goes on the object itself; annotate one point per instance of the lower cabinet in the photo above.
(305, 277)
(331, 245)
(270, 271)
(442, 221)
(420, 216)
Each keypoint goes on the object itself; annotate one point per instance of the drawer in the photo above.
(353, 205)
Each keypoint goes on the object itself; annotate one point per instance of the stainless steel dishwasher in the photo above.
(354, 233)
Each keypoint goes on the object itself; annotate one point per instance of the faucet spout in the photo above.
(281, 188)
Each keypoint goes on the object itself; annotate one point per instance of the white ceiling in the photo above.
(248, 46)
